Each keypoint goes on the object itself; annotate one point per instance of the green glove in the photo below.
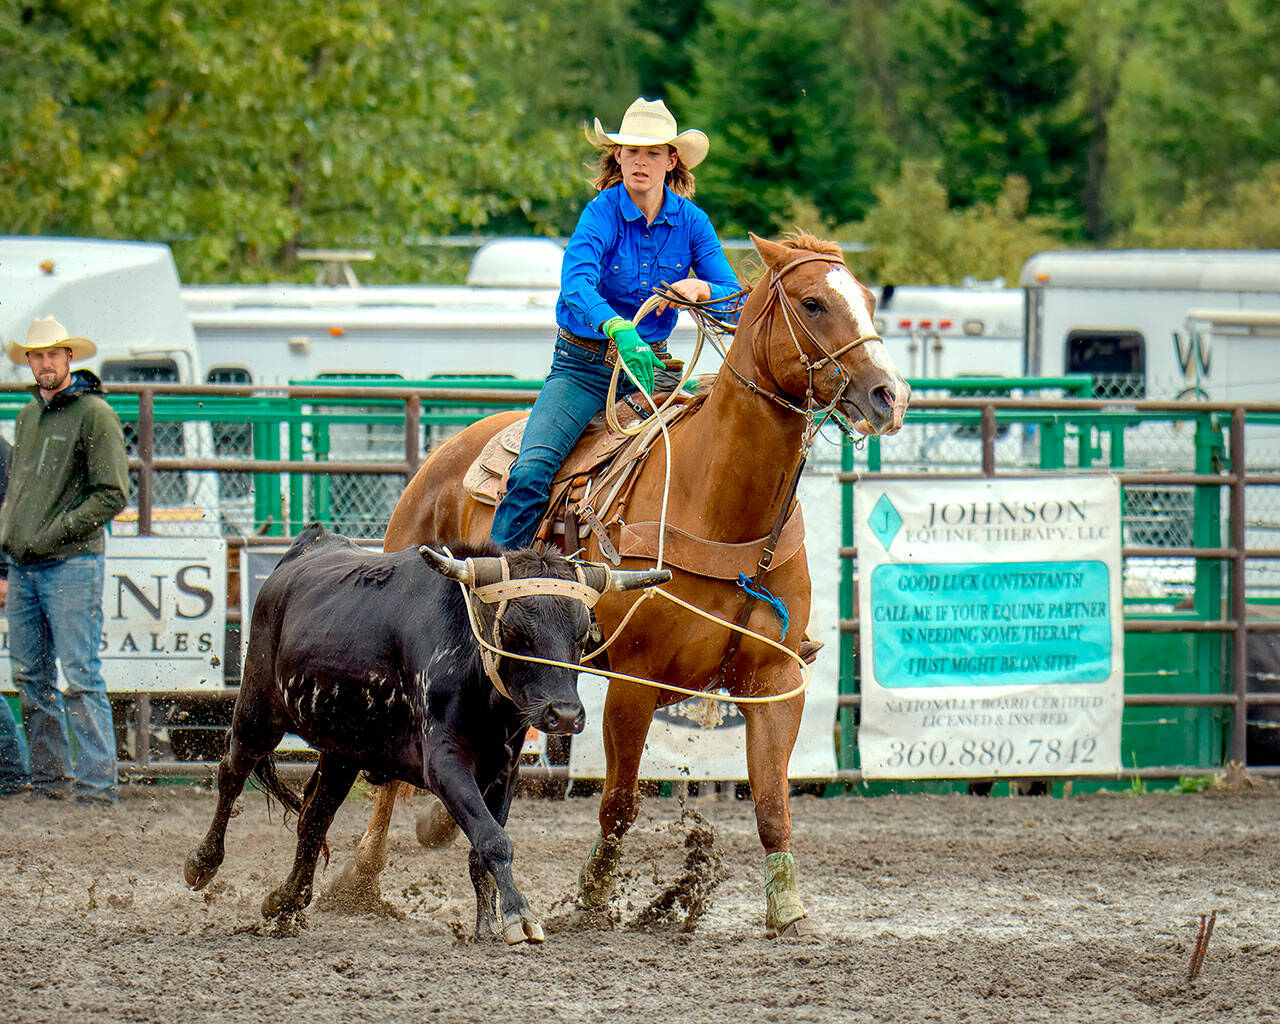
(633, 351)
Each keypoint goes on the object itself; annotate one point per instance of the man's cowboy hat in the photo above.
(649, 123)
(46, 332)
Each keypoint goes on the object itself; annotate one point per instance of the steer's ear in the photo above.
(446, 565)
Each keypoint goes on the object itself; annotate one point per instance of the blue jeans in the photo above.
(575, 391)
(14, 774)
(55, 610)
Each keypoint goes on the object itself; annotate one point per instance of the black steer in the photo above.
(371, 659)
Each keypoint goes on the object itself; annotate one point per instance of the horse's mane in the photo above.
(753, 266)
(799, 239)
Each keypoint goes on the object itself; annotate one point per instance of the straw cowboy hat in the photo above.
(650, 123)
(46, 332)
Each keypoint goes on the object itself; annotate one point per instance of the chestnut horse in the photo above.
(805, 345)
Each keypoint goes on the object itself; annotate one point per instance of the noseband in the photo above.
(815, 418)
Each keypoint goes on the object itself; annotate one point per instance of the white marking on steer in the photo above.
(840, 281)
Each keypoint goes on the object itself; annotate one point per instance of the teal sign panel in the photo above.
(991, 623)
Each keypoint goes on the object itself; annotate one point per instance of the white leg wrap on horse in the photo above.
(595, 881)
(782, 893)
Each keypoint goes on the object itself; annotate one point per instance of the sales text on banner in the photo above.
(164, 615)
(991, 627)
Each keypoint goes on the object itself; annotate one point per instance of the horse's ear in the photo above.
(774, 254)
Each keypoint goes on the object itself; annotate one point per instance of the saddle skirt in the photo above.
(592, 488)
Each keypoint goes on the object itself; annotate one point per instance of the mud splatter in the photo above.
(685, 900)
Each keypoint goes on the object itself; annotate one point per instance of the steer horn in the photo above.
(479, 572)
(601, 578)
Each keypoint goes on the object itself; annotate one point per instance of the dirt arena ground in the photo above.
(934, 909)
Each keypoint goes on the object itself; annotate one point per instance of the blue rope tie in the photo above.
(761, 594)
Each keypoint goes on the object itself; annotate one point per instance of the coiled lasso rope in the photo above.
(611, 418)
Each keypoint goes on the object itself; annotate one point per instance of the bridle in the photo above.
(815, 417)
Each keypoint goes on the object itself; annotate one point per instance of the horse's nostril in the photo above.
(882, 397)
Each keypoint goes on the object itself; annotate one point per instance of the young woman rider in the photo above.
(639, 231)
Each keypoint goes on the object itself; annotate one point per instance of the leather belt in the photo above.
(593, 345)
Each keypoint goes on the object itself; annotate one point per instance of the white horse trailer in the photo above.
(973, 330)
(1122, 317)
(1198, 325)
(501, 324)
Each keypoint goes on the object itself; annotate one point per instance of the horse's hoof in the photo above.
(800, 928)
(270, 905)
(435, 826)
(196, 872)
(522, 927)
(350, 893)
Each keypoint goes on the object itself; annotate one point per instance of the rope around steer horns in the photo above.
(592, 581)
(493, 653)
(508, 589)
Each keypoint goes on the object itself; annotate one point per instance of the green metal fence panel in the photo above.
(1156, 516)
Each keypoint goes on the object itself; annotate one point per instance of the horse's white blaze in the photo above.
(840, 281)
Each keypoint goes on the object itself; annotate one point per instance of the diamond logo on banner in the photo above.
(885, 521)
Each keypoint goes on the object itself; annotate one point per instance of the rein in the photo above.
(494, 653)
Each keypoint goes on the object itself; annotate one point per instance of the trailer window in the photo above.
(1117, 361)
(229, 375)
(141, 371)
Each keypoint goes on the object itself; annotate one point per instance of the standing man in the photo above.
(67, 479)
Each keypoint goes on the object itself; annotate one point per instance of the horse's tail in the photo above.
(265, 773)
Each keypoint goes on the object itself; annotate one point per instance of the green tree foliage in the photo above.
(915, 237)
(244, 130)
(981, 87)
(663, 51)
(1247, 217)
(239, 132)
(789, 117)
(1200, 111)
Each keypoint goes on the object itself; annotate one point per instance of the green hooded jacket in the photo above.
(68, 477)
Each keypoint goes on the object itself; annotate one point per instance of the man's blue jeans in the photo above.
(575, 391)
(55, 610)
(14, 775)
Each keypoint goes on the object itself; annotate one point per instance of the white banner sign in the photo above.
(992, 632)
(678, 747)
(164, 611)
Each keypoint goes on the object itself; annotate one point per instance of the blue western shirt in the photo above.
(614, 260)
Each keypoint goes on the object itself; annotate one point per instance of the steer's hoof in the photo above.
(196, 872)
(522, 928)
(800, 928)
